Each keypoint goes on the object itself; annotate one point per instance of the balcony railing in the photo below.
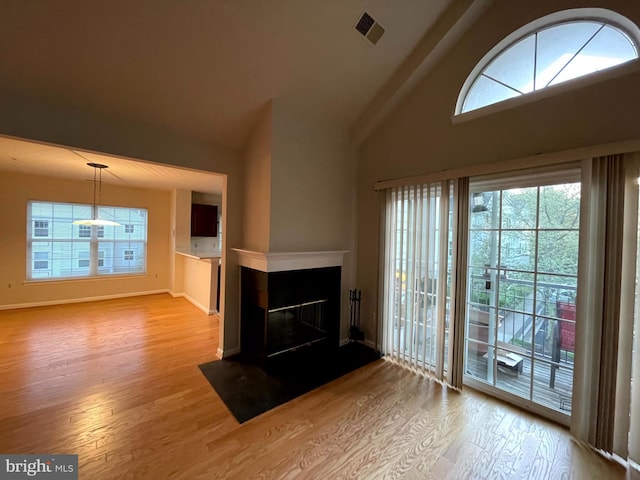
(536, 320)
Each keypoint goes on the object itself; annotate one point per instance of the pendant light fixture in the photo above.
(97, 190)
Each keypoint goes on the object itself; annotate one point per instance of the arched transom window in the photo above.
(550, 51)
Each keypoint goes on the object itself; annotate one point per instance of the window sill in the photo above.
(41, 281)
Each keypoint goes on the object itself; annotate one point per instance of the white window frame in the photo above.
(536, 177)
(99, 248)
(579, 14)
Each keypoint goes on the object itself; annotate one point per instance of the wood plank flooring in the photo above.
(117, 383)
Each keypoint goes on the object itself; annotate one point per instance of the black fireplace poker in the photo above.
(355, 334)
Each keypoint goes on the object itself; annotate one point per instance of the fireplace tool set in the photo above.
(354, 329)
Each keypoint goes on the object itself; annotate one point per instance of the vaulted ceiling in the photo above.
(205, 68)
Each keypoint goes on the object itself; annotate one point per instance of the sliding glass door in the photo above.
(521, 286)
(481, 281)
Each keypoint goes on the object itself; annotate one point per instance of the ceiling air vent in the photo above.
(369, 28)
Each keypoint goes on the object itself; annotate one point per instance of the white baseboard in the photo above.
(81, 300)
(343, 342)
(198, 304)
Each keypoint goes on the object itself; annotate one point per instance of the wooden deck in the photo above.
(557, 397)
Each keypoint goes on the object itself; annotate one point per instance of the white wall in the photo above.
(182, 226)
(312, 185)
(180, 235)
(257, 185)
(313, 201)
(419, 136)
(200, 282)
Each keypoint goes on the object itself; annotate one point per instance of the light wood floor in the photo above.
(117, 383)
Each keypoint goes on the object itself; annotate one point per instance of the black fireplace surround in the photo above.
(284, 312)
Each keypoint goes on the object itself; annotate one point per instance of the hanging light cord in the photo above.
(95, 210)
(97, 192)
(100, 189)
(97, 186)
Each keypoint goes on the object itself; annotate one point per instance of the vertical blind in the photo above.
(417, 255)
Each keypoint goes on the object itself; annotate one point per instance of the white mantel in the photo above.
(284, 261)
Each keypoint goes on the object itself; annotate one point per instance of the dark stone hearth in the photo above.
(248, 390)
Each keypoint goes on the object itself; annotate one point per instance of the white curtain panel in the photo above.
(589, 303)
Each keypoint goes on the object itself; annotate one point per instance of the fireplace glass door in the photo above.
(295, 325)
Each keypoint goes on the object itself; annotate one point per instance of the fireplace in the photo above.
(290, 304)
(291, 326)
